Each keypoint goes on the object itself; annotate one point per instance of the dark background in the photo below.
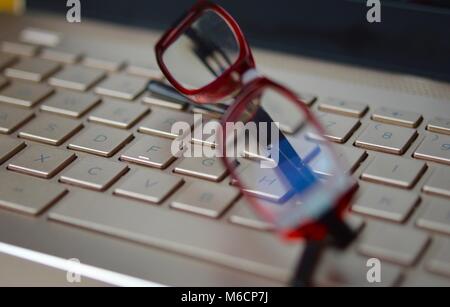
(413, 37)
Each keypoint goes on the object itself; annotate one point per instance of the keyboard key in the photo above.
(184, 234)
(242, 214)
(160, 122)
(344, 107)
(262, 182)
(386, 203)
(122, 86)
(77, 78)
(19, 48)
(6, 60)
(337, 128)
(440, 261)
(72, 104)
(9, 147)
(25, 94)
(202, 167)
(101, 141)
(386, 138)
(102, 63)
(397, 117)
(144, 70)
(306, 149)
(118, 114)
(32, 69)
(349, 159)
(153, 100)
(94, 173)
(150, 151)
(439, 182)
(439, 124)
(393, 243)
(434, 148)
(436, 216)
(27, 194)
(283, 112)
(41, 161)
(205, 199)
(60, 55)
(209, 110)
(150, 186)
(50, 129)
(394, 171)
(11, 118)
(40, 37)
(3, 81)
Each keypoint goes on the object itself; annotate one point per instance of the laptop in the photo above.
(83, 139)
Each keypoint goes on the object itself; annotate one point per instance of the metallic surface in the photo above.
(153, 262)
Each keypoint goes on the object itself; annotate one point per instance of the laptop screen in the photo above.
(412, 35)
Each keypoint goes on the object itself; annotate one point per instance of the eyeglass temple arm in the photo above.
(164, 91)
(292, 166)
(300, 179)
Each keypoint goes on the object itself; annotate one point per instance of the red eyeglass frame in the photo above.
(224, 85)
(227, 84)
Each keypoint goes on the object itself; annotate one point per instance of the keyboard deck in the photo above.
(84, 144)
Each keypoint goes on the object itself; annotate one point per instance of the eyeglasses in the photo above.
(271, 143)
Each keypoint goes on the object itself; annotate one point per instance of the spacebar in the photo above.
(256, 252)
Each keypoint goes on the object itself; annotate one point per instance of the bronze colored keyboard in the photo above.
(83, 143)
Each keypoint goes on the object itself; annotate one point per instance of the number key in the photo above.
(434, 148)
(386, 138)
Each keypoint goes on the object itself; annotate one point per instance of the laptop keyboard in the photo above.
(83, 143)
